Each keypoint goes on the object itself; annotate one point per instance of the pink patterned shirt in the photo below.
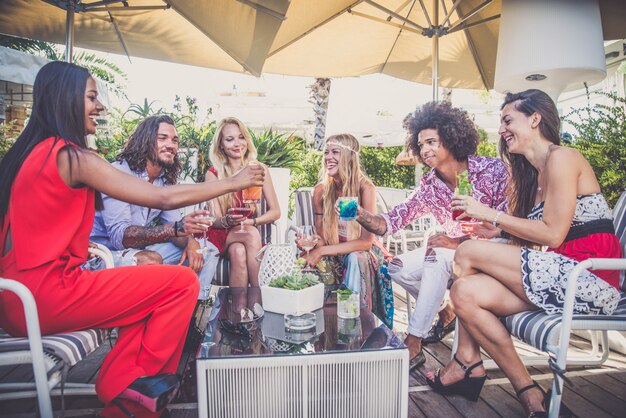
(489, 178)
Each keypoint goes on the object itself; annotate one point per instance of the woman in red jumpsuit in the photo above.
(48, 184)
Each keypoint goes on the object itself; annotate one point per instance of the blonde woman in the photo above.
(344, 244)
(231, 150)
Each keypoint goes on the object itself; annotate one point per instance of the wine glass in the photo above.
(246, 210)
(307, 241)
(207, 220)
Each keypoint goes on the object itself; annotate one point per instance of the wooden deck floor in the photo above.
(596, 392)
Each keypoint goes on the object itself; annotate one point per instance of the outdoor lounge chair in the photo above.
(551, 333)
(51, 356)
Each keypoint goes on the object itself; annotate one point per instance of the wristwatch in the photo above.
(179, 227)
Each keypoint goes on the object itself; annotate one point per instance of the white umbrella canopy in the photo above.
(223, 34)
(338, 38)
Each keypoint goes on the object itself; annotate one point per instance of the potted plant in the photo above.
(294, 293)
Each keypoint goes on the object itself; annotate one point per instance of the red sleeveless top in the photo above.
(50, 222)
(218, 236)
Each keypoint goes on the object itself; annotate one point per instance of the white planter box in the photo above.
(292, 301)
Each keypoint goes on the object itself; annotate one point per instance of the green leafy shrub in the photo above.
(380, 166)
(307, 172)
(601, 137)
(7, 137)
(278, 150)
(485, 147)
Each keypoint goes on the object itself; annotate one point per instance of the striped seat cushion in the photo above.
(542, 330)
(69, 347)
(221, 273)
(304, 206)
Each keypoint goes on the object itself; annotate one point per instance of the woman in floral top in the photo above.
(445, 139)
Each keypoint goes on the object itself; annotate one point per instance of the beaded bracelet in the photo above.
(224, 222)
(495, 219)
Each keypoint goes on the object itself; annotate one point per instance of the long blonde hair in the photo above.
(351, 175)
(220, 161)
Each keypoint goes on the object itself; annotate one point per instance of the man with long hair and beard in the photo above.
(140, 235)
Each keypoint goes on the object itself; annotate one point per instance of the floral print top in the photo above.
(488, 176)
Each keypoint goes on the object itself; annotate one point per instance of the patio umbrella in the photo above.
(232, 35)
(444, 42)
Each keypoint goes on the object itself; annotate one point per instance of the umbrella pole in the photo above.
(435, 51)
(69, 31)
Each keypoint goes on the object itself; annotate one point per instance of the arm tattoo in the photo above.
(142, 236)
(374, 223)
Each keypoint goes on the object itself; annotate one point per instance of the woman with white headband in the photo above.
(345, 247)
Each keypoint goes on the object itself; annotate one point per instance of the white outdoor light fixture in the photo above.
(549, 45)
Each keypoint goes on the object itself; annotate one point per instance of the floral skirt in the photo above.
(544, 279)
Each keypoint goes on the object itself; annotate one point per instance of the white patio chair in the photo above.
(51, 356)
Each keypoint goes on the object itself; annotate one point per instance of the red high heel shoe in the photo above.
(153, 392)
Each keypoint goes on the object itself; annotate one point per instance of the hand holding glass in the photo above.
(348, 207)
(307, 239)
(246, 211)
(252, 194)
(205, 219)
(464, 188)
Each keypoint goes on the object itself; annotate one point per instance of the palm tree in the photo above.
(99, 67)
(320, 92)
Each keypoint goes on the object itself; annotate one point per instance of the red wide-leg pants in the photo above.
(152, 306)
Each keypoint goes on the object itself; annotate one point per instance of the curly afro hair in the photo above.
(456, 130)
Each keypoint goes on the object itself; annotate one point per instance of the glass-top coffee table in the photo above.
(338, 368)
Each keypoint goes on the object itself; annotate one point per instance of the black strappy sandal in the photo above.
(469, 387)
(438, 331)
(417, 360)
(535, 414)
(563, 413)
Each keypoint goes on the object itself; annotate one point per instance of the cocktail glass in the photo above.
(246, 211)
(348, 305)
(348, 207)
(463, 188)
(307, 240)
(206, 220)
(252, 194)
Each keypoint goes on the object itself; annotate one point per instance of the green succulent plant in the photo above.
(295, 281)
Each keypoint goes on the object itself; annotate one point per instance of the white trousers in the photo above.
(426, 282)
